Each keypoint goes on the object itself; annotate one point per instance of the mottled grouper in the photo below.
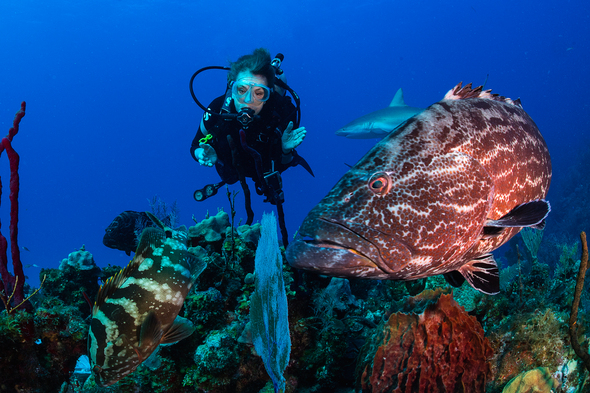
(135, 310)
(436, 196)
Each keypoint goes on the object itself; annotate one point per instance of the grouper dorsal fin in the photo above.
(150, 238)
(164, 225)
(114, 282)
(460, 92)
(398, 99)
(156, 220)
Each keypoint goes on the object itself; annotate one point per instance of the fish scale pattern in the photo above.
(136, 309)
(418, 203)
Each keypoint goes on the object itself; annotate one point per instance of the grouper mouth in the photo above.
(333, 247)
(329, 243)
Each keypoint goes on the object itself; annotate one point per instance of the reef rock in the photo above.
(538, 380)
(78, 260)
(250, 233)
(210, 230)
(442, 349)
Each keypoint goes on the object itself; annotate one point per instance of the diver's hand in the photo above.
(292, 137)
(206, 154)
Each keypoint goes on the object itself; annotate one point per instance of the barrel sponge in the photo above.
(442, 349)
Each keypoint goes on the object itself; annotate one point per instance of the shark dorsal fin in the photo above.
(398, 99)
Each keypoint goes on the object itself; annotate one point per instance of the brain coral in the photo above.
(442, 349)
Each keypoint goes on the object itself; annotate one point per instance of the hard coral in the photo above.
(77, 276)
(210, 230)
(538, 380)
(526, 341)
(442, 349)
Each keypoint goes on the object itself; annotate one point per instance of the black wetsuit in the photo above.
(263, 135)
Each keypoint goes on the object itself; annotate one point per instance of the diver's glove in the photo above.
(206, 154)
(292, 138)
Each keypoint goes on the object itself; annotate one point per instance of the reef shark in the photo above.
(436, 196)
(380, 123)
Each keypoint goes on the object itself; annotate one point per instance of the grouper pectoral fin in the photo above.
(151, 332)
(530, 214)
(454, 278)
(178, 331)
(482, 274)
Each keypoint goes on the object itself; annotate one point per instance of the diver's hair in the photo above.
(258, 63)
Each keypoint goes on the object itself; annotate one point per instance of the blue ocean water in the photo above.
(110, 119)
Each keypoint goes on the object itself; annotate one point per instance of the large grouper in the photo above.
(436, 196)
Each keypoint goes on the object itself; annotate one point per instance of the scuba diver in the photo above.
(251, 131)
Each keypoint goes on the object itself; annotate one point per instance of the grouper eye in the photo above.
(380, 183)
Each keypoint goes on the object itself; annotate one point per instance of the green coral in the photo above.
(165, 378)
(11, 324)
(205, 310)
(546, 336)
(215, 362)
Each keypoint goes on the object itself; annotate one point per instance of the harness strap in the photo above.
(265, 189)
(257, 160)
(247, 198)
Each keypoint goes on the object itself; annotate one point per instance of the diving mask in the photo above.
(247, 91)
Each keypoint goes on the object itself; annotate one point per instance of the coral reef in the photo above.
(442, 349)
(573, 322)
(210, 230)
(339, 329)
(527, 322)
(75, 282)
(269, 317)
(38, 348)
(12, 287)
(527, 341)
(538, 380)
(41, 359)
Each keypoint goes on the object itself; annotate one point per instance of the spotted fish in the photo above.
(123, 232)
(436, 196)
(135, 310)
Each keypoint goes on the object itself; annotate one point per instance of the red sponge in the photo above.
(442, 349)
